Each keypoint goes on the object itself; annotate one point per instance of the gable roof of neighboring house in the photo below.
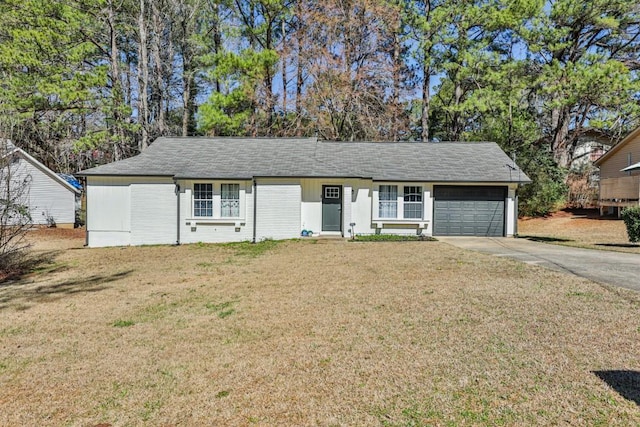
(8, 148)
(247, 158)
(635, 133)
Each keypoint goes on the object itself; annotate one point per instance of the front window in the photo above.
(412, 202)
(203, 200)
(388, 201)
(230, 200)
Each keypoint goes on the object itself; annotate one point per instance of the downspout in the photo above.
(255, 208)
(178, 212)
(86, 211)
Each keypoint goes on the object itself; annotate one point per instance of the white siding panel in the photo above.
(279, 209)
(361, 207)
(108, 211)
(311, 208)
(100, 239)
(153, 213)
(47, 197)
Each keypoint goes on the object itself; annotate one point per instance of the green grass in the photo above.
(11, 331)
(252, 250)
(123, 323)
(222, 310)
(205, 264)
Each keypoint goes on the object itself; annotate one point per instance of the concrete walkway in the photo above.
(607, 267)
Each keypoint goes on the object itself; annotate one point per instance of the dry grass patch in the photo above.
(305, 332)
(581, 228)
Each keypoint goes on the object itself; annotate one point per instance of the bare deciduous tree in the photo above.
(15, 217)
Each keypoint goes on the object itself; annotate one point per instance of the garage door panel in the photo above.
(468, 205)
(469, 211)
(469, 230)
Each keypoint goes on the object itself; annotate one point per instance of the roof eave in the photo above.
(122, 175)
(617, 147)
(44, 169)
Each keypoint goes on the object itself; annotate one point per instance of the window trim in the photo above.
(217, 214)
(418, 194)
(223, 208)
(389, 201)
(197, 211)
(400, 202)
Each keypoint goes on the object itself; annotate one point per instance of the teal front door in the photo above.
(331, 208)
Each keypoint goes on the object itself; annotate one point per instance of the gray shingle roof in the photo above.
(239, 158)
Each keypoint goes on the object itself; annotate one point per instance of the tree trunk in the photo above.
(299, 76)
(186, 101)
(426, 100)
(143, 79)
(560, 126)
(456, 125)
(217, 40)
(426, 84)
(158, 95)
(395, 125)
(116, 86)
(284, 69)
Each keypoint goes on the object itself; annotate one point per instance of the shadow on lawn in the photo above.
(28, 264)
(20, 294)
(619, 245)
(626, 383)
(544, 239)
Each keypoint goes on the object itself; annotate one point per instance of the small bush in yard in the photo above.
(631, 218)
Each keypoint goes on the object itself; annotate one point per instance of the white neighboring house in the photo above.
(51, 199)
(592, 145)
(187, 190)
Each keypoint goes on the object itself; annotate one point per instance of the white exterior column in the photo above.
(511, 211)
(346, 209)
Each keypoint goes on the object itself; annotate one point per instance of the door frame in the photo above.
(340, 204)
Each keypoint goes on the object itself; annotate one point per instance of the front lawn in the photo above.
(316, 332)
(581, 228)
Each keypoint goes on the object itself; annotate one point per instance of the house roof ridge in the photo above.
(221, 158)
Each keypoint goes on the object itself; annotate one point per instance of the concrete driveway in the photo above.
(607, 267)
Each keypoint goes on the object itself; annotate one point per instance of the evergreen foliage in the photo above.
(631, 217)
(92, 81)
